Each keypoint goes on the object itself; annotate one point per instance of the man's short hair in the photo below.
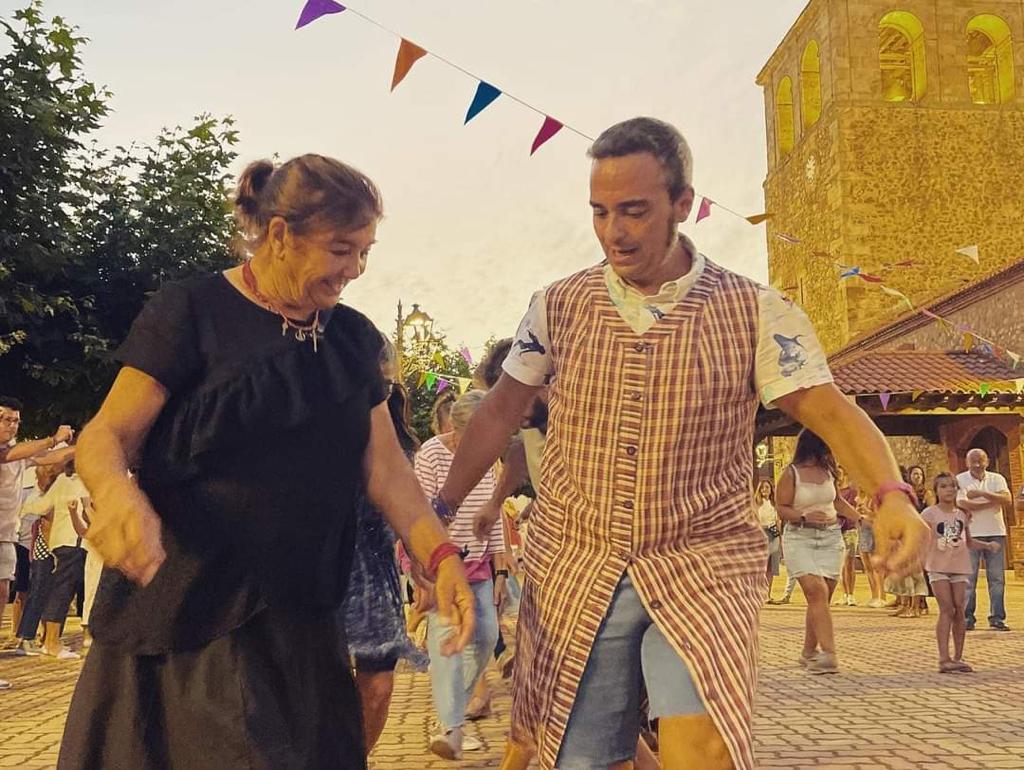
(488, 371)
(9, 402)
(656, 137)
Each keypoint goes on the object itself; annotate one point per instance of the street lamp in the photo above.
(421, 324)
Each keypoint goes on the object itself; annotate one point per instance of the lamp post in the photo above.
(421, 324)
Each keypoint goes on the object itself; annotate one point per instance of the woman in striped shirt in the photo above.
(453, 678)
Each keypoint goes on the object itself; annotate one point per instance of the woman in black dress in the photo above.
(253, 406)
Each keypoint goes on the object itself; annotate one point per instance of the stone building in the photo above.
(895, 137)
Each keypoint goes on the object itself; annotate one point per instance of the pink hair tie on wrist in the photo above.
(895, 486)
(441, 553)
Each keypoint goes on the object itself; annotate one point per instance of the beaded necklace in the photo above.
(312, 329)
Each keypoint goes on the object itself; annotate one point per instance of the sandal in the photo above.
(949, 667)
(962, 667)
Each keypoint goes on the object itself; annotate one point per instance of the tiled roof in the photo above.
(936, 371)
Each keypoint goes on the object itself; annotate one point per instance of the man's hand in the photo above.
(126, 532)
(455, 604)
(901, 537)
(500, 594)
(63, 434)
(992, 547)
(485, 520)
(974, 494)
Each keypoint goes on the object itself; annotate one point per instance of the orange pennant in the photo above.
(758, 218)
(408, 55)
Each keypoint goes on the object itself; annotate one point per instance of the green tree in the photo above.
(86, 233)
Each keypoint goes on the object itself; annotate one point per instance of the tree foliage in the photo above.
(87, 233)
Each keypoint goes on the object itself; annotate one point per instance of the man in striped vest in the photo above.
(644, 557)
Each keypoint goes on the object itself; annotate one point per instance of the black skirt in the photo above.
(274, 694)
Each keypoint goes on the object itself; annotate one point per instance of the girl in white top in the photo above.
(807, 501)
(768, 517)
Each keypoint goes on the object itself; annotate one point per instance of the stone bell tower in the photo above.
(895, 137)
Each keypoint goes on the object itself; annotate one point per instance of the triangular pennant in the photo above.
(984, 389)
(547, 130)
(971, 252)
(466, 356)
(431, 379)
(314, 9)
(884, 398)
(1019, 384)
(898, 294)
(757, 219)
(968, 341)
(787, 238)
(705, 209)
(464, 384)
(442, 385)
(408, 55)
(423, 379)
(849, 272)
(1014, 358)
(916, 395)
(485, 95)
(871, 278)
(438, 359)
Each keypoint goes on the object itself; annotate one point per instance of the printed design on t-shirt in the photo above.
(792, 355)
(951, 534)
(533, 346)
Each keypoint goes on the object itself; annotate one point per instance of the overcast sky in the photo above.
(474, 224)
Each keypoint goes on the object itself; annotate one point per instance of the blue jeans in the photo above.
(452, 678)
(996, 577)
(629, 652)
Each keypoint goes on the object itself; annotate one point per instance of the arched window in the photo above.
(785, 133)
(810, 85)
(989, 60)
(901, 57)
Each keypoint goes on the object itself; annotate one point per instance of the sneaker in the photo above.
(447, 745)
(63, 654)
(999, 626)
(850, 601)
(804, 662)
(823, 663)
(27, 650)
(469, 743)
(4, 684)
(876, 603)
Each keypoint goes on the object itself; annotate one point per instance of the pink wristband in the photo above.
(895, 486)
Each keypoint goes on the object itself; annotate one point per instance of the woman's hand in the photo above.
(125, 531)
(901, 537)
(455, 604)
(992, 547)
(819, 518)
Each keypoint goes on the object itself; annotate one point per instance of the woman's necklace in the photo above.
(313, 329)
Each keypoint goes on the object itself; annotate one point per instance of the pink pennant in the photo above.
(871, 278)
(314, 9)
(705, 209)
(884, 398)
(464, 352)
(548, 130)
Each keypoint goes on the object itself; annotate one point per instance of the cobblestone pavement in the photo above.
(889, 708)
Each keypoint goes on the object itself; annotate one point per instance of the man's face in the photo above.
(634, 218)
(977, 464)
(10, 419)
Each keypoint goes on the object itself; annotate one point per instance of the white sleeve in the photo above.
(529, 361)
(1001, 484)
(789, 356)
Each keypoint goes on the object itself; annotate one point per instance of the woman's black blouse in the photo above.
(253, 465)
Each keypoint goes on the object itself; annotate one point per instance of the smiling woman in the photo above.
(233, 550)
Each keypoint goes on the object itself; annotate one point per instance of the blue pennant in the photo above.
(485, 94)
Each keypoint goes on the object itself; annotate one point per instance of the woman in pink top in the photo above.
(949, 567)
(452, 679)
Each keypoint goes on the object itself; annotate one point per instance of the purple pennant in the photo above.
(548, 130)
(884, 398)
(466, 356)
(442, 385)
(314, 9)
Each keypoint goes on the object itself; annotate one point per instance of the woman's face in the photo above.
(319, 265)
(916, 477)
(764, 489)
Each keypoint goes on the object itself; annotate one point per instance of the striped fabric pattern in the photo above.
(647, 468)
(432, 464)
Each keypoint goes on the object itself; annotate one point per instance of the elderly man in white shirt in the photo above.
(983, 493)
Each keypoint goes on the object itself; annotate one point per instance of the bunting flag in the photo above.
(1019, 384)
(464, 383)
(438, 359)
(984, 389)
(787, 238)
(849, 272)
(314, 9)
(884, 398)
(549, 128)
(431, 379)
(408, 54)
(442, 385)
(870, 278)
(466, 356)
(898, 294)
(968, 342)
(916, 395)
(971, 252)
(705, 209)
(484, 97)
(1014, 358)
(757, 219)
(422, 379)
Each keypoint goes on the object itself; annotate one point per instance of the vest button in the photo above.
(628, 505)
(631, 450)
